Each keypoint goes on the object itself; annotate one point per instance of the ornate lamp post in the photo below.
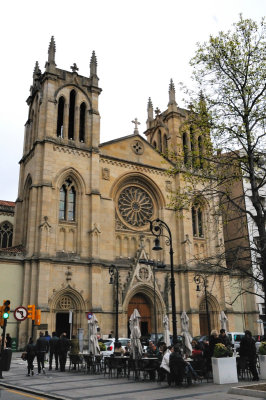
(201, 280)
(157, 228)
(114, 278)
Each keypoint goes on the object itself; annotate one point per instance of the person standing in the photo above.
(247, 351)
(63, 347)
(42, 347)
(30, 350)
(214, 339)
(8, 341)
(53, 347)
(74, 351)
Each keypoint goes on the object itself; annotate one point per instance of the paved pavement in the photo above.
(81, 386)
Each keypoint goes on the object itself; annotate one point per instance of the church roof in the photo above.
(7, 203)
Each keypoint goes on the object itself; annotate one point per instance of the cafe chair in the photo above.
(74, 359)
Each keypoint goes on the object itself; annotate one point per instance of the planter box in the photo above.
(224, 370)
(262, 366)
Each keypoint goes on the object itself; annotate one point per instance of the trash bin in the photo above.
(14, 344)
(5, 359)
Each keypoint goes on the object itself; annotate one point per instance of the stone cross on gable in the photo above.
(157, 111)
(136, 122)
(74, 67)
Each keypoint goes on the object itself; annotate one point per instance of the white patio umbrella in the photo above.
(135, 334)
(185, 333)
(166, 330)
(223, 319)
(92, 336)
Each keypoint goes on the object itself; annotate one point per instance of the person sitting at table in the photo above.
(152, 350)
(179, 368)
(118, 349)
(164, 367)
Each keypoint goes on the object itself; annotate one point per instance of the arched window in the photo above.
(60, 117)
(197, 221)
(185, 148)
(6, 235)
(67, 202)
(82, 112)
(159, 141)
(165, 144)
(200, 146)
(155, 145)
(71, 119)
(193, 147)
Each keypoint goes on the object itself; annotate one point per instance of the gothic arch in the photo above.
(148, 291)
(71, 173)
(57, 93)
(78, 302)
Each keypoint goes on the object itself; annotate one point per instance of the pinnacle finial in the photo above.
(171, 93)
(150, 110)
(36, 70)
(51, 52)
(93, 65)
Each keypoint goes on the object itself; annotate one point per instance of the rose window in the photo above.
(135, 206)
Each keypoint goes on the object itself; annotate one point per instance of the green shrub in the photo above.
(220, 350)
(262, 349)
(102, 346)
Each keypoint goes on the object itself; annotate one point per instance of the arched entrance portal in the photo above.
(213, 314)
(142, 304)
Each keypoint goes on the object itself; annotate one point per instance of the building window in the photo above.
(165, 144)
(200, 146)
(160, 141)
(82, 112)
(197, 221)
(60, 117)
(67, 202)
(6, 235)
(71, 119)
(185, 148)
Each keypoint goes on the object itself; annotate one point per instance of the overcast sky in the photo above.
(140, 45)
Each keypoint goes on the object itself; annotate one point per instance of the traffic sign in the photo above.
(89, 315)
(20, 313)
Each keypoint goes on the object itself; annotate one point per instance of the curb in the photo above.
(32, 391)
(245, 391)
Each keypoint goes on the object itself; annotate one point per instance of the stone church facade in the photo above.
(83, 205)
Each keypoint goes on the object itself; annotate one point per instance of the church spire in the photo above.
(172, 93)
(51, 55)
(150, 110)
(93, 65)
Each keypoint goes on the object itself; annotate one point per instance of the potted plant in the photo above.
(223, 365)
(262, 360)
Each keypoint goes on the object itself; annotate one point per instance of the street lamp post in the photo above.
(157, 228)
(114, 279)
(200, 279)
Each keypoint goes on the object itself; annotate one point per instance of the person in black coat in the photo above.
(30, 350)
(63, 347)
(42, 347)
(224, 339)
(177, 366)
(53, 348)
(214, 339)
(247, 351)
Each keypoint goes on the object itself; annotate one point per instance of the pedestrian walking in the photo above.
(53, 351)
(8, 341)
(42, 347)
(31, 352)
(63, 347)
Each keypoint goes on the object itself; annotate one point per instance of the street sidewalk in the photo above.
(81, 386)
